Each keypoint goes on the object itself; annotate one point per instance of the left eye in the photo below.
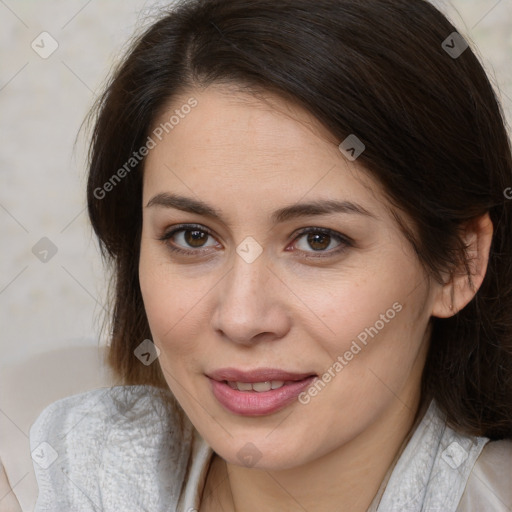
(320, 241)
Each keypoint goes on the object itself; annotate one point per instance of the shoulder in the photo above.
(106, 404)
(81, 445)
(489, 486)
(97, 413)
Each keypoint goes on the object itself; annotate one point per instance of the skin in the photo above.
(293, 308)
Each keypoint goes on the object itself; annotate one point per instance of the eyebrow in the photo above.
(319, 207)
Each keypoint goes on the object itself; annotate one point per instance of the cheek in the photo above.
(341, 308)
(373, 319)
(173, 303)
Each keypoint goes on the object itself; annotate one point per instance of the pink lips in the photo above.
(253, 403)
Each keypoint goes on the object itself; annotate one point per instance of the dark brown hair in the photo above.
(435, 138)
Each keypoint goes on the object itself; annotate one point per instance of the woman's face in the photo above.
(268, 258)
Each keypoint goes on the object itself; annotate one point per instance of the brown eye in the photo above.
(321, 241)
(195, 238)
(318, 241)
(188, 238)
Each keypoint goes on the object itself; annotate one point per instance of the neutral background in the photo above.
(50, 311)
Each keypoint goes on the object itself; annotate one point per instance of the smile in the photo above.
(257, 392)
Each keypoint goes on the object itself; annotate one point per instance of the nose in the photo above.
(250, 304)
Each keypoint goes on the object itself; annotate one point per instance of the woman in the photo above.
(305, 208)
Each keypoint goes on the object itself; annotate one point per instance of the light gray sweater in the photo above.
(122, 449)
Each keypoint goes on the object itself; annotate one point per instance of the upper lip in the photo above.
(256, 375)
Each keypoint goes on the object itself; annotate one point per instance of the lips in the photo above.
(257, 392)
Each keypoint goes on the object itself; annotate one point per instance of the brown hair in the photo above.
(435, 138)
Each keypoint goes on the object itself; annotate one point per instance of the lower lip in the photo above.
(253, 403)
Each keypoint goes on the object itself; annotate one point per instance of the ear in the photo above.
(460, 289)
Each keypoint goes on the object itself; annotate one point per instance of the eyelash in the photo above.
(344, 241)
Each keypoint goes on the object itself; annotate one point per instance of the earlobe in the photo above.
(460, 289)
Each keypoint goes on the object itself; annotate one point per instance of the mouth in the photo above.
(258, 392)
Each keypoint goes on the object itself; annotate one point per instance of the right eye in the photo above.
(188, 238)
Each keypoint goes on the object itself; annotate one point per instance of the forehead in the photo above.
(234, 142)
(227, 119)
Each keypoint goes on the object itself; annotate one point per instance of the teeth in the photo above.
(244, 386)
(262, 386)
(256, 386)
